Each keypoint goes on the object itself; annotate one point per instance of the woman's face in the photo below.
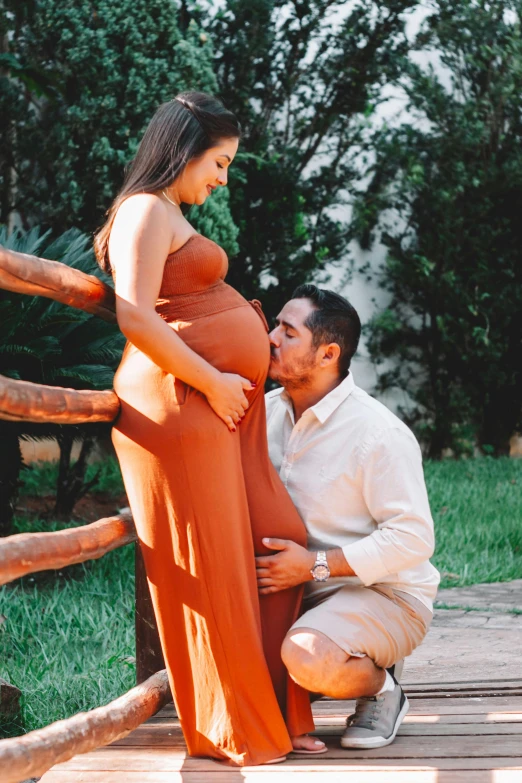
(203, 175)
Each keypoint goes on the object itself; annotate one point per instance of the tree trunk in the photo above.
(11, 463)
(71, 484)
(501, 417)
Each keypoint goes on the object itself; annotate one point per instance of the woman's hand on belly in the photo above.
(226, 396)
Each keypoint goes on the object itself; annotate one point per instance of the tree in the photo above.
(46, 342)
(303, 77)
(445, 196)
(81, 81)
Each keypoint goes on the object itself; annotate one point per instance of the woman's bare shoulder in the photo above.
(142, 229)
(147, 210)
(142, 206)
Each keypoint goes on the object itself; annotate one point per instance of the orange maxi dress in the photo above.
(202, 498)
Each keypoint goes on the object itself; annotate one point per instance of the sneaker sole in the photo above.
(377, 742)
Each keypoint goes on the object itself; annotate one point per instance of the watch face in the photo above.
(321, 573)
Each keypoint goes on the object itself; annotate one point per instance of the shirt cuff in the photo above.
(365, 559)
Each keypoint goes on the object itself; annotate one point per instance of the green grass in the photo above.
(40, 478)
(477, 509)
(466, 608)
(67, 638)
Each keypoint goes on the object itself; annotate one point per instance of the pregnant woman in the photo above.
(191, 442)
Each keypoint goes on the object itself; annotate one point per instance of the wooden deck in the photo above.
(454, 733)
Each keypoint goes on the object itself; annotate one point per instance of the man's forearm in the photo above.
(338, 564)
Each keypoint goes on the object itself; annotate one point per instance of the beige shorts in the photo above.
(379, 622)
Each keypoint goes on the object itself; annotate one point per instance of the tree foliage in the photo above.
(81, 81)
(445, 197)
(303, 77)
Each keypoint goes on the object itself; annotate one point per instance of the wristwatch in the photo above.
(320, 570)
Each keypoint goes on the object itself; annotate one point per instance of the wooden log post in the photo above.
(34, 753)
(149, 656)
(9, 700)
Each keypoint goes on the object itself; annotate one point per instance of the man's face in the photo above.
(293, 361)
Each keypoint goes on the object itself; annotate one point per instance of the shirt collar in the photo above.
(329, 403)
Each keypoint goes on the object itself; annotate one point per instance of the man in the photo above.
(354, 472)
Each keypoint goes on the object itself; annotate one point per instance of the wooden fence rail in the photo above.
(26, 553)
(34, 753)
(25, 401)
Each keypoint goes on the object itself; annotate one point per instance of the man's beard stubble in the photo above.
(298, 375)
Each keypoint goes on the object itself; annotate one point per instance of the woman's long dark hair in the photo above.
(180, 130)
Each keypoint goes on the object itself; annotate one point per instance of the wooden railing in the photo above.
(32, 754)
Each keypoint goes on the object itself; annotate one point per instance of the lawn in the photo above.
(67, 637)
(477, 510)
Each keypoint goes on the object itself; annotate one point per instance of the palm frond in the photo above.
(95, 376)
(30, 242)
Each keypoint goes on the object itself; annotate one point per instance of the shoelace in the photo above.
(366, 712)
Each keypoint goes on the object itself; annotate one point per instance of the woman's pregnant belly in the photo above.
(232, 341)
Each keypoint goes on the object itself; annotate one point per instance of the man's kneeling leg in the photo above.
(318, 664)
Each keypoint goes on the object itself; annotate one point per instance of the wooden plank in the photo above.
(488, 718)
(436, 747)
(26, 553)
(487, 694)
(167, 760)
(462, 713)
(171, 729)
(25, 274)
(433, 706)
(457, 687)
(508, 682)
(460, 730)
(25, 401)
(283, 775)
(436, 729)
(450, 746)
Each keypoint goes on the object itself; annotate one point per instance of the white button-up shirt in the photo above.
(354, 472)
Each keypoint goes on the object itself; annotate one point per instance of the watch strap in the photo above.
(320, 559)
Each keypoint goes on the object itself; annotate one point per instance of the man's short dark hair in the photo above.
(333, 320)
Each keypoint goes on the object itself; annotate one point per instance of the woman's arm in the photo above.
(139, 244)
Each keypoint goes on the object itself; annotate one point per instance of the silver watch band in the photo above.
(320, 559)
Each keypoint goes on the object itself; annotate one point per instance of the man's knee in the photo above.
(311, 657)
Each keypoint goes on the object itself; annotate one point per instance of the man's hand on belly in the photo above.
(288, 568)
(292, 565)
